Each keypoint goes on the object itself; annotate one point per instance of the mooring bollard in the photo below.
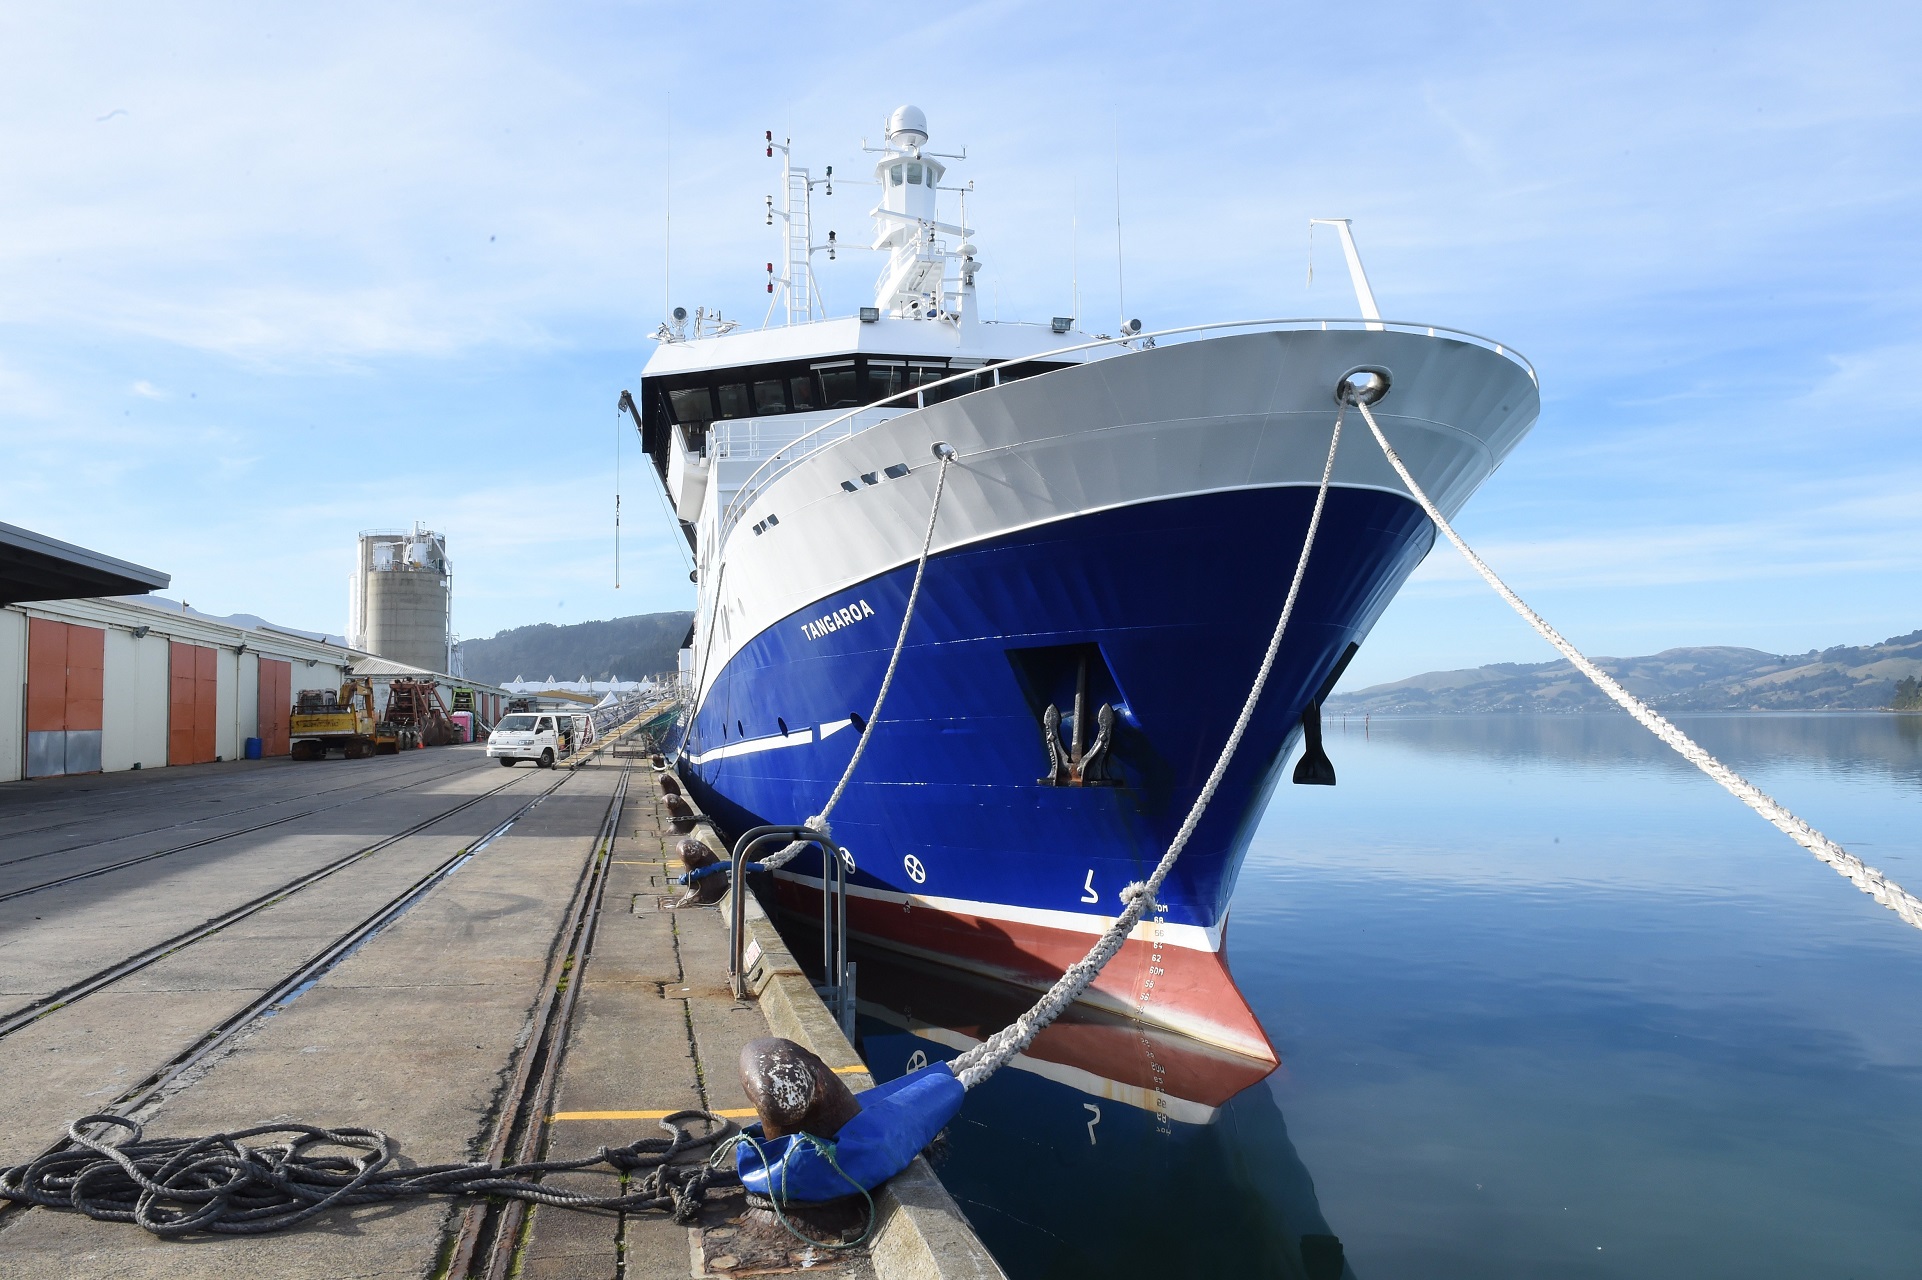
(702, 890)
(794, 1092)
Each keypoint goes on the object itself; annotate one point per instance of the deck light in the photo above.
(1063, 323)
(770, 143)
(870, 315)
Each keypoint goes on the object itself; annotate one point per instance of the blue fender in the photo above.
(896, 1120)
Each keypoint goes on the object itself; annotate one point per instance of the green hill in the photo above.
(1705, 679)
(617, 649)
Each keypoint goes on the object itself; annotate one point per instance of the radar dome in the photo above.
(909, 126)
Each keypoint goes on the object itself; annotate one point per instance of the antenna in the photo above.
(1074, 243)
(620, 428)
(1364, 296)
(1120, 280)
(667, 212)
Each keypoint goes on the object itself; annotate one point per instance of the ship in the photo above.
(1116, 534)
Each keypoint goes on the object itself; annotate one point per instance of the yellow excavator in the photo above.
(324, 721)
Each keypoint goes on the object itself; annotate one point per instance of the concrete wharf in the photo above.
(473, 961)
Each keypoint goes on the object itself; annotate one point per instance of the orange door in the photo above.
(86, 673)
(180, 703)
(206, 698)
(46, 698)
(276, 680)
(64, 668)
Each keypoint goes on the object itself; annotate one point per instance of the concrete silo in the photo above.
(400, 602)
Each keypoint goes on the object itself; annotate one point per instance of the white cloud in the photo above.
(368, 225)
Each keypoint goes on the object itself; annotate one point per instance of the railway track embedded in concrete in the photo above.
(437, 769)
(216, 838)
(143, 797)
(32, 1012)
(487, 1236)
(153, 1089)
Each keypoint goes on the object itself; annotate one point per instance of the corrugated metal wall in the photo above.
(125, 687)
(13, 694)
(134, 719)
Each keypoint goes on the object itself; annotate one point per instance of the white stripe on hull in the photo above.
(1190, 937)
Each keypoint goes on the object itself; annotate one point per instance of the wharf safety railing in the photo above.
(808, 442)
(837, 971)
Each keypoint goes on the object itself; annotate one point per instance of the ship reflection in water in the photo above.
(1109, 1148)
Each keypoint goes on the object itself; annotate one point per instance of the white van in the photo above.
(541, 736)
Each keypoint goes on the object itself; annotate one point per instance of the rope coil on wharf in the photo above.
(174, 1187)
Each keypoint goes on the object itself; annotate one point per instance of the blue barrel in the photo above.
(253, 748)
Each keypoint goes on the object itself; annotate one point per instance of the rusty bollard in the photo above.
(670, 785)
(679, 811)
(793, 1091)
(706, 891)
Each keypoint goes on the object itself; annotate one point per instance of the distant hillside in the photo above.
(1710, 679)
(618, 649)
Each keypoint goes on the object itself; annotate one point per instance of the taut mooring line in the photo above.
(1858, 873)
(945, 455)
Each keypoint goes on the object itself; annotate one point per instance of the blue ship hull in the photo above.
(1178, 599)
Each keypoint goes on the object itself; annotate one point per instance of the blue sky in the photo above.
(269, 276)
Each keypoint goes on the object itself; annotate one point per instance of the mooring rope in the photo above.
(984, 1059)
(218, 1183)
(945, 454)
(1860, 874)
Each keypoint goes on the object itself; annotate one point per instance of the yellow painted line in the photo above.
(638, 1115)
(850, 1071)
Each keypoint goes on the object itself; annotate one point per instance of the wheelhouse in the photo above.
(694, 401)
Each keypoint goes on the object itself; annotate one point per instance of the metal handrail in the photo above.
(833, 895)
(755, 482)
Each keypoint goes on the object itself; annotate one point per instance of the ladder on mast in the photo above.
(800, 272)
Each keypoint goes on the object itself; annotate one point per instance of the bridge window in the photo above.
(894, 175)
(914, 175)
(886, 377)
(802, 391)
(692, 406)
(768, 397)
(840, 385)
(733, 396)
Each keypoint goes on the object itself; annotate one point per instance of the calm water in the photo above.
(1549, 1003)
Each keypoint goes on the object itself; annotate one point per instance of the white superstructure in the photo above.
(790, 487)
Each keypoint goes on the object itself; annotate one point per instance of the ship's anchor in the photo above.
(1072, 765)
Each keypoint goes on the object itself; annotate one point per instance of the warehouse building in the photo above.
(115, 682)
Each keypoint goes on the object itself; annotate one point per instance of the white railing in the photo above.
(749, 438)
(792, 453)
